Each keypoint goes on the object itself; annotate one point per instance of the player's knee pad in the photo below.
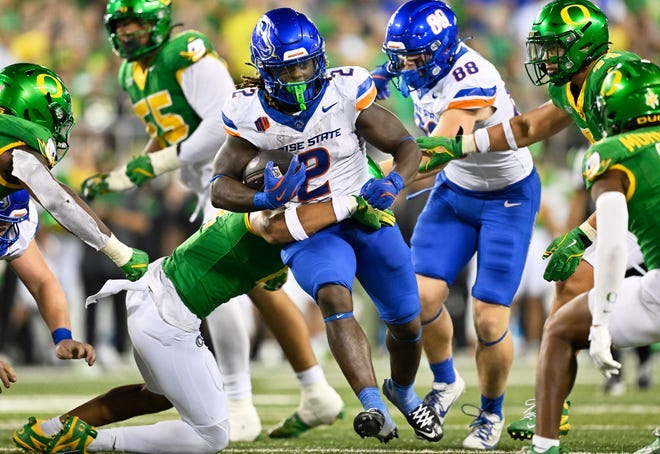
(486, 343)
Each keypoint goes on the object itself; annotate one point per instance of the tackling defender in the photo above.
(35, 121)
(227, 256)
(178, 85)
(323, 116)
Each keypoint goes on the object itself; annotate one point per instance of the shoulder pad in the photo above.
(185, 49)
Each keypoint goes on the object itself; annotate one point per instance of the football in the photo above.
(253, 175)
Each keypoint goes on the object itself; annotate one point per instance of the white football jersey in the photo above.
(473, 83)
(323, 136)
(26, 232)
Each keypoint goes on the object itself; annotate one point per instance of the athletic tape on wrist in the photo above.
(482, 140)
(508, 134)
(293, 224)
(588, 230)
(344, 207)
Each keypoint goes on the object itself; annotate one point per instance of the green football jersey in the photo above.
(156, 93)
(581, 106)
(223, 259)
(637, 153)
(16, 132)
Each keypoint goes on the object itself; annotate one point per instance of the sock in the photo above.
(238, 386)
(541, 444)
(311, 376)
(493, 405)
(51, 426)
(444, 372)
(370, 398)
(406, 397)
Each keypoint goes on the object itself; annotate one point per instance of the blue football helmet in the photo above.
(424, 31)
(284, 44)
(13, 209)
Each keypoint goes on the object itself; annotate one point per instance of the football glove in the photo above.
(279, 190)
(440, 150)
(371, 217)
(137, 265)
(95, 185)
(382, 77)
(139, 169)
(599, 350)
(380, 193)
(565, 253)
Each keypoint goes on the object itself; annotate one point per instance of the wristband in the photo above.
(508, 134)
(588, 230)
(293, 224)
(344, 207)
(118, 180)
(61, 334)
(215, 177)
(481, 140)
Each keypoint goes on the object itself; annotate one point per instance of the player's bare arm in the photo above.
(271, 225)
(227, 190)
(382, 129)
(531, 127)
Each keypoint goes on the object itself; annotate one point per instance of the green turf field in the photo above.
(600, 423)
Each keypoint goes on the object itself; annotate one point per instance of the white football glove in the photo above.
(599, 350)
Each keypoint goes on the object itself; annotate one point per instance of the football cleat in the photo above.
(30, 437)
(423, 419)
(73, 438)
(486, 429)
(319, 405)
(523, 429)
(244, 421)
(373, 423)
(653, 448)
(443, 396)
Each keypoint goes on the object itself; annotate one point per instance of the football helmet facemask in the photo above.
(566, 36)
(156, 17)
(289, 54)
(14, 208)
(423, 31)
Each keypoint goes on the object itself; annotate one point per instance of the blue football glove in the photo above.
(382, 77)
(380, 193)
(278, 190)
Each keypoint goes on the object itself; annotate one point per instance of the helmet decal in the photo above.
(566, 15)
(14, 209)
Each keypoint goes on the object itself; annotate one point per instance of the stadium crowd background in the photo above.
(70, 37)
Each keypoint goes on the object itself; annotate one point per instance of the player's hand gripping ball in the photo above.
(253, 175)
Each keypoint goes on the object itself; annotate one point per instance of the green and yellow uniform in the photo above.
(636, 154)
(223, 259)
(579, 106)
(156, 93)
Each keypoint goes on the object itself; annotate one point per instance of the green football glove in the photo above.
(372, 217)
(95, 185)
(276, 282)
(139, 169)
(441, 150)
(137, 265)
(565, 253)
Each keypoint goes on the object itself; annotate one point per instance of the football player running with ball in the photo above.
(323, 116)
(178, 85)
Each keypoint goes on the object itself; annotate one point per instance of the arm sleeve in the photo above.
(206, 85)
(56, 200)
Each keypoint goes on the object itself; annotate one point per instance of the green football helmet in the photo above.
(37, 94)
(567, 35)
(156, 13)
(629, 97)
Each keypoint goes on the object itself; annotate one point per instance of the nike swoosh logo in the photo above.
(325, 109)
(508, 204)
(572, 243)
(530, 425)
